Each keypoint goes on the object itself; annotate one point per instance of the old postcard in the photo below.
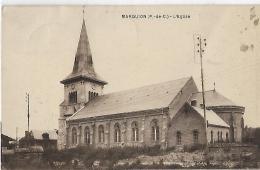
(130, 87)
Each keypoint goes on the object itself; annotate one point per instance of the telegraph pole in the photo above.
(201, 45)
(16, 137)
(28, 110)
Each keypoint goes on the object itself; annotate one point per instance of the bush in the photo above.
(192, 148)
(88, 154)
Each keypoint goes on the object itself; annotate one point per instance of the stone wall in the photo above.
(186, 121)
(143, 120)
(237, 113)
(61, 141)
(215, 130)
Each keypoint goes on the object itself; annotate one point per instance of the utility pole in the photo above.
(200, 49)
(28, 110)
(16, 137)
(28, 119)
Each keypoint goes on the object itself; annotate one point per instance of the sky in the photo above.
(39, 46)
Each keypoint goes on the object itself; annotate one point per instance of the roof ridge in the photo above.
(147, 86)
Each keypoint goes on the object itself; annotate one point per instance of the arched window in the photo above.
(73, 97)
(211, 137)
(91, 95)
(87, 135)
(101, 135)
(155, 130)
(242, 122)
(178, 138)
(74, 136)
(195, 137)
(218, 136)
(135, 132)
(221, 137)
(117, 136)
(227, 138)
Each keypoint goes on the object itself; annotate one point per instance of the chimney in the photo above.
(45, 136)
(27, 134)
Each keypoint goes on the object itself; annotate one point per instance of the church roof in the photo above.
(83, 63)
(149, 97)
(212, 98)
(212, 117)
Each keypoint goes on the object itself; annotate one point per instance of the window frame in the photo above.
(101, 134)
(195, 137)
(178, 138)
(74, 136)
(73, 97)
(87, 138)
(155, 130)
(117, 133)
(135, 132)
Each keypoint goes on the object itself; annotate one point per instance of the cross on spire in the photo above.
(83, 12)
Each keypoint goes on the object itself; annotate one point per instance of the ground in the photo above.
(131, 158)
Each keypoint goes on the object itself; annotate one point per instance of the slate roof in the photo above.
(83, 63)
(212, 98)
(211, 117)
(7, 138)
(149, 97)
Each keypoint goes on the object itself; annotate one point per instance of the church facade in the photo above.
(165, 114)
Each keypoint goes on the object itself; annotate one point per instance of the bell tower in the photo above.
(80, 86)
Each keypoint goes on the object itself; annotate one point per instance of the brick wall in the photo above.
(226, 116)
(143, 121)
(215, 131)
(186, 121)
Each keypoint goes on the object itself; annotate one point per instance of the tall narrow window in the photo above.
(211, 137)
(101, 134)
(178, 137)
(227, 138)
(91, 95)
(218, 136)
(195, 137)
(73, 97)
(155, 130)
(87, 136)
(221, 138)
(135, 132)
(74, 136)
(117, 135)
(242, 123)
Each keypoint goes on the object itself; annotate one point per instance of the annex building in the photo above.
(165, 114)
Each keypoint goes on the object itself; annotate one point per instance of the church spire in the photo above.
(83, 59)
(83, 63)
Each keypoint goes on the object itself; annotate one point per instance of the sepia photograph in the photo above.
(111, 87)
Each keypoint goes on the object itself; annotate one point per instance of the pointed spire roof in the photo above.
(83, 63)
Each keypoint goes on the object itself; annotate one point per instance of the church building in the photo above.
(166, 114)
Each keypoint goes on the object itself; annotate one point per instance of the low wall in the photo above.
(233, 147)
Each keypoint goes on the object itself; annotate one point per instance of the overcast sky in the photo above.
(39, 45)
